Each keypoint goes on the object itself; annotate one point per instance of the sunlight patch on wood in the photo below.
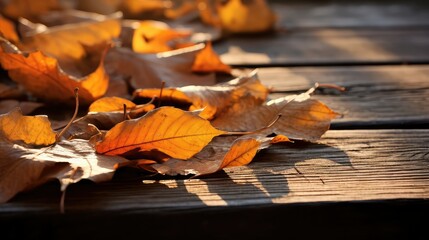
(202, 191)
(236, 55)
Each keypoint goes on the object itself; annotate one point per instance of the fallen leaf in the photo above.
(237, 95)
(28, 28)
(301, 118)
(150, 70)
(169, 130)
(26, 107)
(24, 168)
(27, 9)
(42, 76)
(91, 124)
(109, 104)
(7, 30)
(155, 36)
(32, 130)
(99, 6)
(148, 9)
(239, 16)
(207, 60)
(112, 104)
(69, 43)
(70, 16)
(222, 152)
(11, 90)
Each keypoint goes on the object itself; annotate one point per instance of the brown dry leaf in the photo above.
(27, 9)
(7, 30)
(26, 107)
(169, 130)
(222, 152)
(11, 90)
(207, 60)
(150, 70)
(239, 16)
(32, 130)
(301, 118)
(91, 124)
(236, 95)
(155, 36)
(42, 76)
(70, 43)
(23, 168)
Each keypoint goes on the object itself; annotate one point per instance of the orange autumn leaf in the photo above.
(112, 104)
(42, 76)
(169, 130)
(241, 153)
(236, 95)
(207, 60)
(31, 130)
(7, 30)
(108, 104)
(222, 152)
(154, 37)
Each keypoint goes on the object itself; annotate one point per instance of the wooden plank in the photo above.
(345, 165)
(376, 96)
(327, 47)
(349, 14)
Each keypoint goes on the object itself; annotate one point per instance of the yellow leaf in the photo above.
(32, 130)
(42, 76)
(169, 130)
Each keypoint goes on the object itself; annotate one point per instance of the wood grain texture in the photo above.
(329, 14)
(344, 166)
(327, 47)
(376, 96)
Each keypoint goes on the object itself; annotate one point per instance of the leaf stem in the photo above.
(160, 93)
(76, 110)
(325, 85)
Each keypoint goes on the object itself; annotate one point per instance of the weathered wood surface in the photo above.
(329, 33)
(327, 47)
(353, 184)
(367, 14)
(376, 96)
(344, 166)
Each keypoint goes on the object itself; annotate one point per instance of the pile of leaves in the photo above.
(146, 94)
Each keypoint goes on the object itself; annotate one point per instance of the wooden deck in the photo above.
(367, 178)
